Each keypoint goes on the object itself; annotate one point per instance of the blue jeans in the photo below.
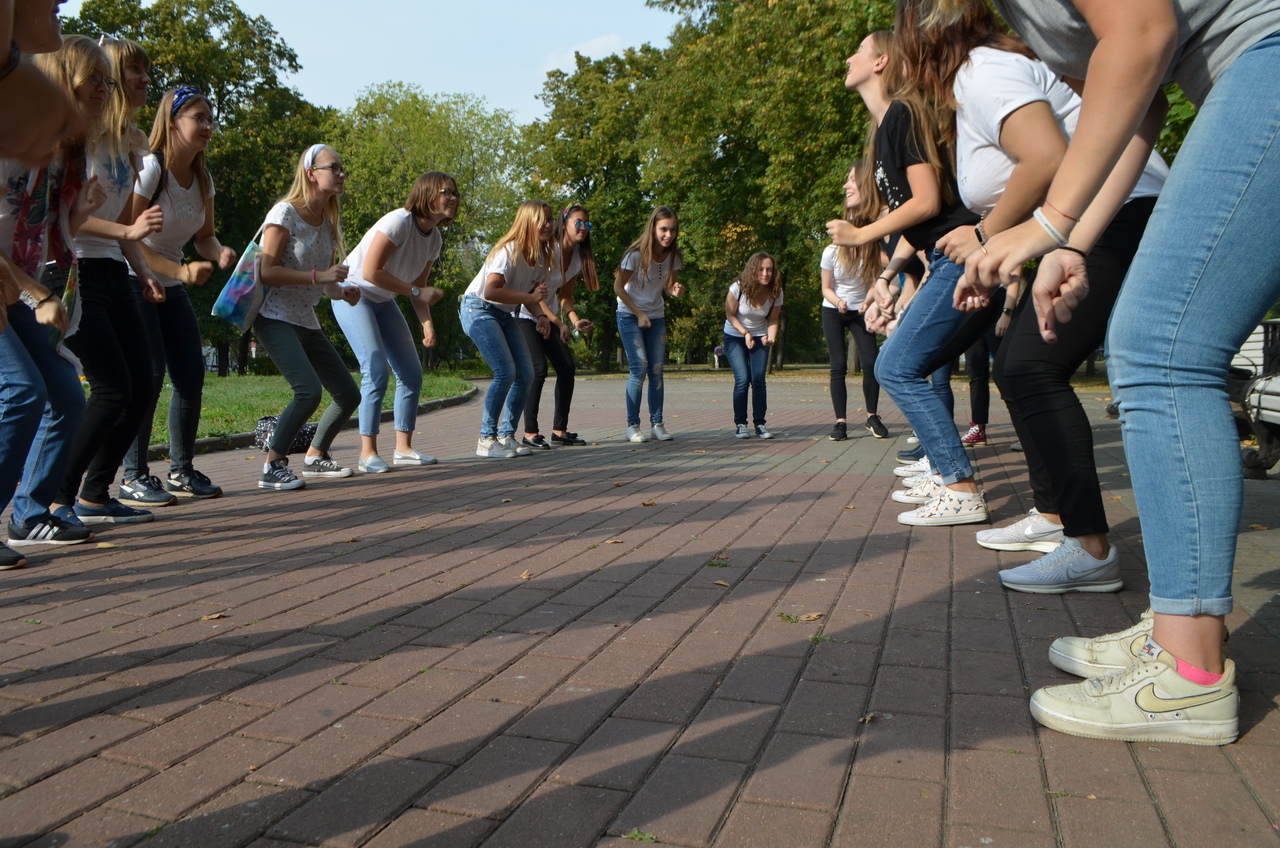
(498, 339)
(927, 327)
(379, 336)
(646, 351)
(41, 407)
(1205, 274)
(749, 367)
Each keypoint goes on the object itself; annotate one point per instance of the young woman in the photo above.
(547, 336)
(175, 179)
(1171, 339)
(111, 340)
(645, 276)
(301, 243)
(41, 402)
(513, 275)
(752, 311)
(912, 181)
(395, 258)
(846, 282)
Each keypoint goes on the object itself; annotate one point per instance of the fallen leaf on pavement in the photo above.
(526, 574)
(105, 545)
(1259, 527)
(614, 542)
(811, 616)
(648, 503)
(214, 617)
(720, 583)
(617, 485)
(867, 719)
(506, 500)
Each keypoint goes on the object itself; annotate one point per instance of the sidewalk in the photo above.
(592, 642)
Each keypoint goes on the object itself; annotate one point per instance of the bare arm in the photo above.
(925, 202)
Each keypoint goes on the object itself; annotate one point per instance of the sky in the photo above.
(500, 50)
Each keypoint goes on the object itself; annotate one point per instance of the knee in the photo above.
(375, 374)
(307, 395)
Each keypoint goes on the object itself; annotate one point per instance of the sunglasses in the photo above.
(581, 225)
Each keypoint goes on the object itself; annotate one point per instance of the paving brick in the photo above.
(783, 639)
(425, 695)
(915, 648)
(527, 680)
(232, 819)
(177, 739)
(705, 650)
(491, 653)
(886, 811)
(991, 722)
(621, 664)
(1084, 767)
(26, 762)
(358, 804)
(984, 673)
(684, 801)
(1209, 809)
(193, 781)
(669, 696)
(801, 771)
(618, 755)
(728, 730)
(902, 745)
(998, 789)
(493, 781)
(987, 836)
(559, 816)
(457, 731)
(44, 805)
(386, 673)
(841, 662)
(310, 714)
(544, 619)
(761, 826)
(1099, 821)
(579, 640)
(763, 679)
(824, 709)
(899, 689)
(323, 758)
(167, 701)
(569, 713)
(69, 707)
(99, 828)
(291, 682)
(418, 828)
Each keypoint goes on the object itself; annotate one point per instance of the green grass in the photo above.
(234, 404)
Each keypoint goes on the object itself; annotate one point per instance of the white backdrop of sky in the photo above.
(500, 50)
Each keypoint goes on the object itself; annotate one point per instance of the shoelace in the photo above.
(199, 477)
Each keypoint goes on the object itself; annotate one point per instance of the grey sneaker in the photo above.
(635, 434)
(490, 448)
(145, 491)
(512, 445)
(413, 457)
(192, 484)
(742, 432)
(762, 432)
(372, 464)
(1032, 532)
(280, 476)
(1070, 568)
(660, 433)
(325, 466)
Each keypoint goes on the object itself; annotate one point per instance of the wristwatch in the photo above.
(414, 291)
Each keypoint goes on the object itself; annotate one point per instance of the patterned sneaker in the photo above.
(1146, 702)
(278, 475)
(324, 466)
(192, 484)
(372, 464)
(920, 466)
(762, 432)
(876, 427)
(47, 530)
(635, 434)
(112, 512)
(511, 444)
(839, 432)
(660, 433)
(1032, 532)
(926, 490)
(1070, 568)
(977, 435)
(490, 448)
(947, 509)
(145, 491)
(742, 432)
(1103, 654)
(413, 457)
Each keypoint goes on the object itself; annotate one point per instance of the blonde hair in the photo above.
(300, 193)
(71, 66)
(585, 251)
(161, 132)
(523, 235)
(118, 126)
(646, 245)
(749, 284)
(424, 198)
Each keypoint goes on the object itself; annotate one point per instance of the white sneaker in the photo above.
(1146, 702)
(1070, 568)
(762, 432)
(635, 434)
(1103, 654)
(920, 466)
(1032, 532)
(660, 433)
(947, 509)
(742, 432)
(490, 448)
(912, 482)
(926, 490)
(413, 457)
(512, 445)
(913, 439)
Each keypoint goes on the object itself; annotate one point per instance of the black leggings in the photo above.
(1034, 379)
(977, 360)
(834, 324)
(541, 351)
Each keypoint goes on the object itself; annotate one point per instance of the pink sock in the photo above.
(1197, 675)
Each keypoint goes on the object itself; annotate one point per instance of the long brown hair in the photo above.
(865, 258)
(647, 243)
(161, 142)
(120, 132)
(585, 252)
(749, 285)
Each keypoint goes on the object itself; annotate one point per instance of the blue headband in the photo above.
(182, 95)
(312, 152)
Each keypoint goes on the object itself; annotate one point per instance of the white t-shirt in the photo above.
(848, 285)
(115, 175)
(646, 289)
(754, 318)
(306, 248)
(184, 212)
(414, 249)
(518, 274)
(991, 86)
(556, 278)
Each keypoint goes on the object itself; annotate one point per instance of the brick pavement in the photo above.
(565, 649)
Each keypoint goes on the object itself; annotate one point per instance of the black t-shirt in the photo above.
(897, 150)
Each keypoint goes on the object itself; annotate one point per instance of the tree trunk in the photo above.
(224, 358)
(242, 353)
(606, 347)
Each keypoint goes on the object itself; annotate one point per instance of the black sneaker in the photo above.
(280, 476)
(47, 530)
(537, 443)
(146, 490)
(10, 559)
(876, 427)
(840, 432)
(192, 484)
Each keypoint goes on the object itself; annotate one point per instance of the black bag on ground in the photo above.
(266, 428)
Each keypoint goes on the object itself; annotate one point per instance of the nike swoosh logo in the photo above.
(1073, 574)
(1149, 702)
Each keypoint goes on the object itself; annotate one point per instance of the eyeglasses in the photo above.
(581, 225)
(338, 171)
(450, 192)
(202, 122)
(97, 80)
